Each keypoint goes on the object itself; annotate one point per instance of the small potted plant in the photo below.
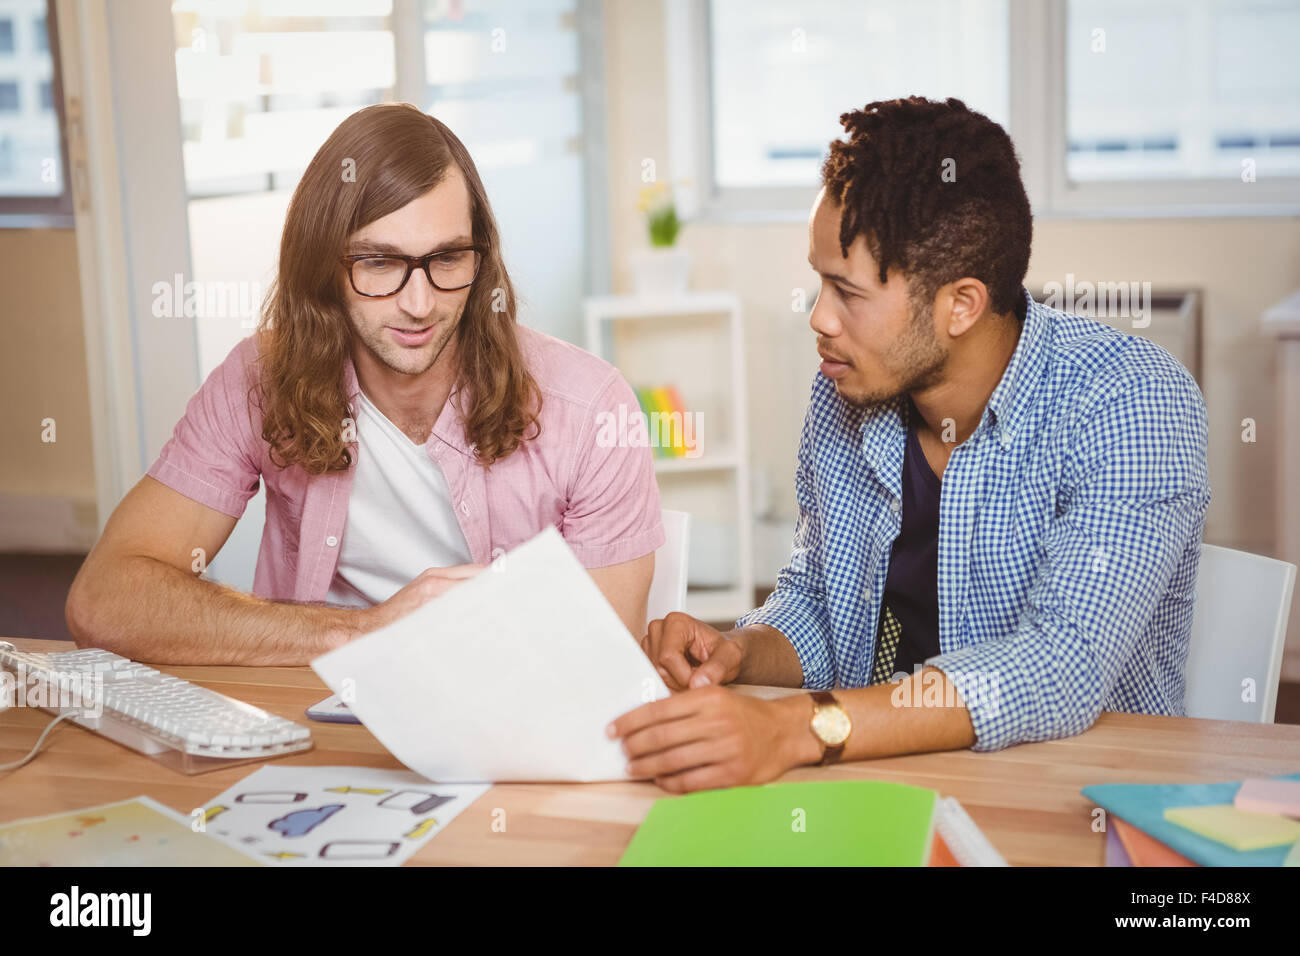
(664, 267)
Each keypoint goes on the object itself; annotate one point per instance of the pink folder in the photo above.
(1281, 797)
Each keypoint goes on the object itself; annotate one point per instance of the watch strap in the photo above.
(831, 753)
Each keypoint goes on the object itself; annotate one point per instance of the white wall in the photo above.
(47, 489)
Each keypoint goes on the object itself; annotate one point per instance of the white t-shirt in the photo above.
(400, 518)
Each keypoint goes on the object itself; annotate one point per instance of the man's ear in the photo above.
(965, 300)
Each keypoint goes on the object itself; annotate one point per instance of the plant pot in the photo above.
(660, 270)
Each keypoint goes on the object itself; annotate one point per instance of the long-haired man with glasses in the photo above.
(407, 428)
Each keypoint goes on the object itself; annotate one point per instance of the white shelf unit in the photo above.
(696, 342)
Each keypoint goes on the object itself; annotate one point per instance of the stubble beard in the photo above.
(405, 361)
(917, 355)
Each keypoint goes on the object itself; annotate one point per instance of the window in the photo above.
(1116, 107)
(263, 83)
(32, 187)
(507, 76)
(782, 73)
(1185, 90)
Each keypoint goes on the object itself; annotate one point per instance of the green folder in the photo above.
(843, 823)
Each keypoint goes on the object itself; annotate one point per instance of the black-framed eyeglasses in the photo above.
(376, 275)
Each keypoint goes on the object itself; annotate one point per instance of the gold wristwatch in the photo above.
(830, 724)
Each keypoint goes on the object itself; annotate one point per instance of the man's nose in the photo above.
(823, 319)
(416, 298)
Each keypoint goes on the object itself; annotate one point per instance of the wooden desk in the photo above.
(1026, 799)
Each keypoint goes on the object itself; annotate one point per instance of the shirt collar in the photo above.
(1011, 400)
(448, 427)
(884, 426)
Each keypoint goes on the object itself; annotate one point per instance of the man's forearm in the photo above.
(150, 611)
(888, 719)
(767, 657)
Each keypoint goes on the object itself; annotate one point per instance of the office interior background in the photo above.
(149, 148)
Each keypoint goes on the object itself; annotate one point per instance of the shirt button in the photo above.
(895, 506)
(464, 508)
(331, 541)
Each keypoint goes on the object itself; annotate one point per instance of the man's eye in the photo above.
(845, 293)
(451, 260)
(380, 265)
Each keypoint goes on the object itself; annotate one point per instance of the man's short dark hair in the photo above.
(934, 188)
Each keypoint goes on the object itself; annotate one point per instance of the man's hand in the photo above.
(689, 653)
(713, 737)
(429, 584)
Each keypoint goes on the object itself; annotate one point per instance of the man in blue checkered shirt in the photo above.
(1000, 504)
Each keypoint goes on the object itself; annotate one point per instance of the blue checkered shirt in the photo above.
(1069, 535)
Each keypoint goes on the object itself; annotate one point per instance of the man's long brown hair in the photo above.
(378, 160)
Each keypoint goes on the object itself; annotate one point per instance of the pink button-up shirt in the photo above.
(600, 495)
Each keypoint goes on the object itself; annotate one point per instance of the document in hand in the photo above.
(512, 675)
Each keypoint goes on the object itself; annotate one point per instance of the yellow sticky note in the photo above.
(1239, 829)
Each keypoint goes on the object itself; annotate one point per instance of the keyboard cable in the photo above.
(39, 740)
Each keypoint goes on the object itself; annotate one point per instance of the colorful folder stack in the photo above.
(1243, 823)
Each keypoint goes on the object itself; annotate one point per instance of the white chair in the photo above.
(1238, 631)
(668, 586)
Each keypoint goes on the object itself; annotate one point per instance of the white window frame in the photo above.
(50, 211)
(1037, 123)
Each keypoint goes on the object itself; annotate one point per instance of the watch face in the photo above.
(831, 724)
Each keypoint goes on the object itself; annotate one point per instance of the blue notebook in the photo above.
(1143, 805)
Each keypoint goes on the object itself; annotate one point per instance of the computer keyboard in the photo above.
(187, 727)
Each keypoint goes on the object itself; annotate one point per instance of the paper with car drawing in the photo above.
(334, 816)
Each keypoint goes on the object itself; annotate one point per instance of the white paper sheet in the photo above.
(334, 816)
(512, 675)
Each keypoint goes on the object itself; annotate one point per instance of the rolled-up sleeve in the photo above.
(1137, 492)
(212, 455)
(797, 608)
(613, 508)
